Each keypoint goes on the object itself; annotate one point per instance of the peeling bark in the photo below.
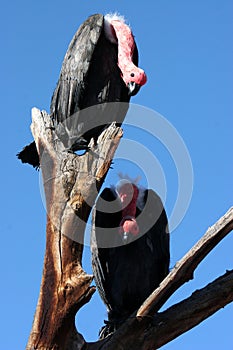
(71, 184)
(152, 332)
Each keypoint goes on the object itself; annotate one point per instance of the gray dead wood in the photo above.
(152, 332)
(71, 184)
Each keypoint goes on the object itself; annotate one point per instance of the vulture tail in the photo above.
(30, 155)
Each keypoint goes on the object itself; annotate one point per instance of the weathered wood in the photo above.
(71, 184)
(146, 330)
(190, 312)
(149, 333)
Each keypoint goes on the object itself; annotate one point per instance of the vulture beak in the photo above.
(133, 88)
(125, 237)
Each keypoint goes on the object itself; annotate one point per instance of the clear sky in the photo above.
(186, 50)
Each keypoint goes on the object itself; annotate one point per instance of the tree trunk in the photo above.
(71, 184)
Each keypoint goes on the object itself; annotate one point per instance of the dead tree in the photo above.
(71, 184)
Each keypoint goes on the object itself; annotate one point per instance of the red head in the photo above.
(133, 76)
(128, 194)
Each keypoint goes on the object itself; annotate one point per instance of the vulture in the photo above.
(100, 66)
(129, 249)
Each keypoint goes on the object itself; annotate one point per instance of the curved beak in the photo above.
(133, 88)
(125, 237)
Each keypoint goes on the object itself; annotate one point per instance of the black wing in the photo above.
(68, 97)
(69, 93)
(125, 275)
(153, 224)
(89, 76)
(106, 218)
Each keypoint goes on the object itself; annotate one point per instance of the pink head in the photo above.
(118, 31)
(128, 194)
(133, 77)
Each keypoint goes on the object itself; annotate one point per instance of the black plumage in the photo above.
(89, 76)
(126, 274)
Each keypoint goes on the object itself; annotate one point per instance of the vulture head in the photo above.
(128, 194)
(120, 33)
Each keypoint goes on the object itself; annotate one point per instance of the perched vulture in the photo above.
(100, 66)
(130, 249)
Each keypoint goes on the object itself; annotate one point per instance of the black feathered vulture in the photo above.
(129, 247)
(100, 66)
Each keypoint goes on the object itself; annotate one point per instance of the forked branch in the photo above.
(71, 184)
(149, 333)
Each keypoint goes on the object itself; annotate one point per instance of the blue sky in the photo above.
(186, 50)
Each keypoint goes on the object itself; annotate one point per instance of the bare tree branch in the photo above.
(147, 333)
(192, 311)
(205, 302)
(183, 270)
(71, 185)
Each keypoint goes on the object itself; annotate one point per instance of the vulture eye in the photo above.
(132, 75)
